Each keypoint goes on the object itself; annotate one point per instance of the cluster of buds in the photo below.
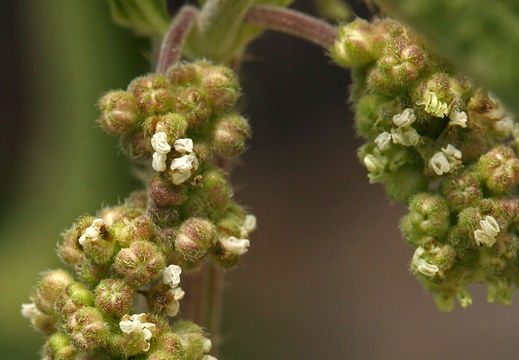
(179, 126)
(445, 147)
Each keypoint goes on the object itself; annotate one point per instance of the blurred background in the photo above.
(326, 276)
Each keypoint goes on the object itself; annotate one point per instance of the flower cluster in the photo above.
(177, 126)
(444, 146)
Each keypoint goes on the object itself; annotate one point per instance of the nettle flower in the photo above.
(486, 235)
(137, 325)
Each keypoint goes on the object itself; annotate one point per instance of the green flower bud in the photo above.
(461, 236)
(499, 169)
(405, 182)
(215, 189)
(367, 114)
(220, 87)
(195, 238)
(140, 263)
(173, 124)
(152, 94)
(192, 105)
(428, 216)
(462, 191)
(444, 302)
(52, 284)
(354, 44)
(70, 251)
(164, 193)
(128, 212)
(192, 339)
(500, 290)
(86, 329)
(230, 134)
(58, 347)
(114, 297)
(119, 113)
(169, 344)
(464, 298)
(141, 228)
(136, 146)
(97, 242)
(183, 74)
(163, 216)
(90, 272)
(75, 297)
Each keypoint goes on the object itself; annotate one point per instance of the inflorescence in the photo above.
(445, 147)
(177, 125)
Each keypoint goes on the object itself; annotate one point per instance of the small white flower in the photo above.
(452, 152)
(91, 233)
(174, 306)
(182, 166)
(405, 136)
(405, 118)
(31, 312)
(208, 357)
(458, 118)
(506, 124)
(488, 232)
(184, 146)
(135, 324)
(439, 163)
(171, 275)
(422, 266)
(383, 140)
(235, 245)
(249, 223)
(159, 142)
(159, 162)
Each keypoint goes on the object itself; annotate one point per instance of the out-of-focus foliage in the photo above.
(481, 37)
(145, 17)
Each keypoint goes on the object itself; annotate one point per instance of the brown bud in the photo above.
(152, 93)
(114, 297)
(140, 263)
(119, 113)
(164, 193)
(230, 134)
(195, 238)
(52, 284)
(192, 105)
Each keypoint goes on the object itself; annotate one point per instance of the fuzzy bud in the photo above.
(163, 216)
(428, 216)
(152, 93)
(114, 297)
(462, 191)
(141, 228)
(87, 329)
(49, 288)
(119, 113)
(190, 103)
(165, 194)
(97, 242)
(230, 134)
(353, 46)
(75, 297)
(140, 263)
(168, 347)
(192, 338)
(172, 124)
(136, 145)
(499, 169)
(216, 190)
(433, 261)
(195, 238)
(183, 74)
(58, 347)
(220, 86)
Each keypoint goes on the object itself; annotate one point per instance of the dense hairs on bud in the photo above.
(140, 263)
(195, 238)
(119, 113)
(114, 297)
(230, 134)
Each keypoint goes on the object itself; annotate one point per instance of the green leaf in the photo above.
(145, 17)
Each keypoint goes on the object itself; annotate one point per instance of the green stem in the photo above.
(171, 49)
(294, 23)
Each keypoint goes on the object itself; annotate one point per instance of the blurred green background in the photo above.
(326, 277)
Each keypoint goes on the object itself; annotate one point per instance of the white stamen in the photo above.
(31, 312)
(439, 163)
(433, 105)
(405, 118)
(506, 124)
(159, 162)
(452, 152)
(458, 118)
(208, 357)
(383, 140)
(405, 136)
(91, 233)
(159, 142)
(249, 223)
(135, 324)
(171, 275)
(234, 245)
(181, 168)
(184, 146)
(488, 232)
(422, 266)
(206, 345)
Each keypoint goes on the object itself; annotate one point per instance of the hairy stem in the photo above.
(294, 23)
(171, 48)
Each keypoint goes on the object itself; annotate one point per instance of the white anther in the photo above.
(184, 146)
(136, 324)
(506, 124)
(173, 306)
(31, 312)
(405, 118)
(488, 232)
(207, 345)
(234, 245)
(91, 233)
(208, 357)
(249, 223)
(181, 168)
(405, 136)
(171, 275)
(452, 152)
(159, 162)
(159, 142)
(439, 163)
(458, 118)
(433, 105)
(383, 140)
(422, 266)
